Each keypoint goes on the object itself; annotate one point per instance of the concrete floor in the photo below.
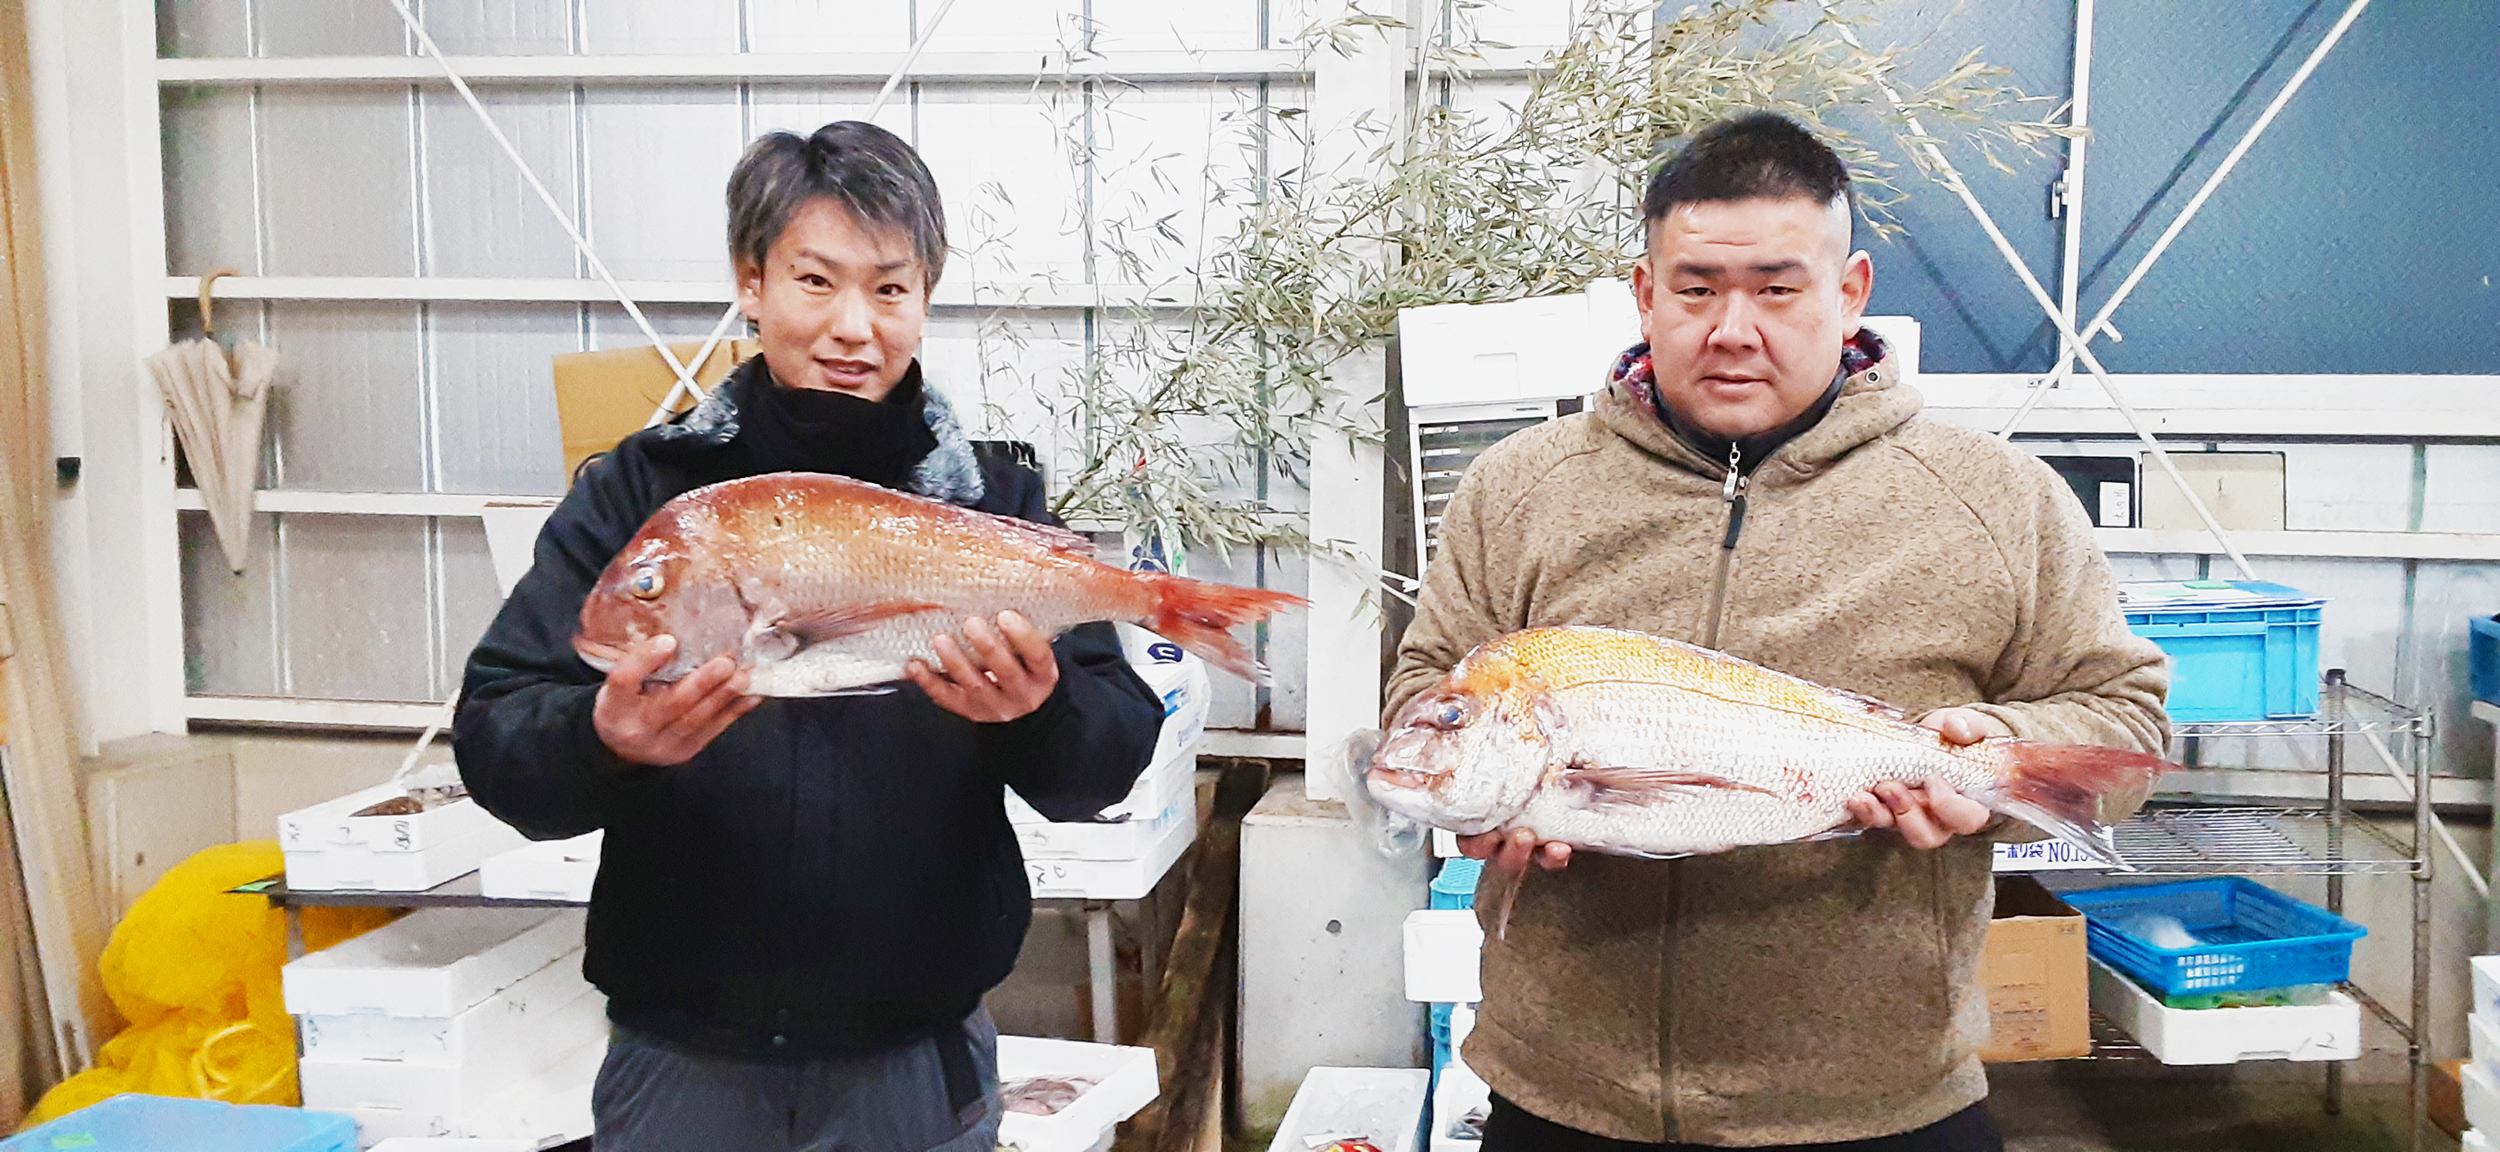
(2127, 1106)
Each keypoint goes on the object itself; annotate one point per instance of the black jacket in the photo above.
(830, 876)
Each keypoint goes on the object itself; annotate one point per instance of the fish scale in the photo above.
(1623, 742)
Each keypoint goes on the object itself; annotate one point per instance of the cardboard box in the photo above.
(2446, 1092)
(2033, 968)
(434, 963)
(2328, 1031)
(603, 397)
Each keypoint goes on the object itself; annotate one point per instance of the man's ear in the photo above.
(750, 288)
(1642, 282)
(1857, 282)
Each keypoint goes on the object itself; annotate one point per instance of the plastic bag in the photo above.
(193, 969)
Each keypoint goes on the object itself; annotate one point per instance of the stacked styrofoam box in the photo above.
(543, 870)
(1444, 962)
(1125, 1081)
(451, 1022)
(328, 847)
(2479, 1082)
(1122, 854)
(1384, 1106)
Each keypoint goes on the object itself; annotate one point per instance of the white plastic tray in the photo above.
(2329, 1031)
(1382, 1105)
(497, 1023)
(1444, 952)
(1124, 1082)
(438, 962)
(543, 870)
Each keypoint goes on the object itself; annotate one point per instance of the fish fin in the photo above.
(1054, 538)
(1200, 617)
(2057, 788)
(1610, 784)
(1506, 895)
(834, 623)
(1873, 706)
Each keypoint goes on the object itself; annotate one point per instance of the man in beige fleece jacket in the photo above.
(1755, 478)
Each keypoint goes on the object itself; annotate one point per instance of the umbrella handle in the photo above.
(208, 299)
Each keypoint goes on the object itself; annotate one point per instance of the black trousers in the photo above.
(1512, 1129)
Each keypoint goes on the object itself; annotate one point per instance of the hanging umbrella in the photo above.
(217, 407)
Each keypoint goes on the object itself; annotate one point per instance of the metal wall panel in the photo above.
(803, 108)
(499, 27)
(348, 412)
(2446, 597)
(2361, 487)
(327, 28)
(1521, 23)
(2461, 489)
(1015, 202)
(202, 28)
(229, 621)
(1008, 376)
(828, 26)
(211, 218)
(481, 218)
(494, 395)
(610, 327)
(470, 597)
(656, 162)
(358, 615)
(625, 26)
(338, 198)
(1173, 178)
(1162, 26)
(1009, 26)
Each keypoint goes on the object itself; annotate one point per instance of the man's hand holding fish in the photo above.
(1663, 672)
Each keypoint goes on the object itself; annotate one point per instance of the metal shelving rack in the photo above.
(2325, 841)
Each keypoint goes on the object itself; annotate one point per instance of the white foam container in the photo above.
(328, 848)
(453, 1144)
(2486, 986)
(2475, 1140)
(1382, 1105)
(544, 1108)
(1458, 1092)
(1161, 785)
(500, 1022)
(2483, 1033)
(2329, 1031)
(1444, 951)
(2481, 1090)
(1111, 879)
(463, 1090)
(1125, 1081)
(1178, 679)
(437, 962)
(543, 870)
(1123, 840)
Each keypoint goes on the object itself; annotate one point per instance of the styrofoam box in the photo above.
(329, 848)
(1381, 1105)
(543, 870)
(437, 962)
(1178, 679)
(2487, 986)
(2475, 1140)
(2484, 1034)
(499, 1022)
(1444, 948)
(547, 1107)
(453, 1144)
(2329, 1031)
(1124, 1082)
(1123, 840)
(1163, 784)
(461, 1091)
(1458, 1092)
(2481, 1090)
(1111, 879)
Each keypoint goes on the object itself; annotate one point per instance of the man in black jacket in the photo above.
(801, 902)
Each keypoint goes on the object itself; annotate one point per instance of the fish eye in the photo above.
(1451, 714)
(646, 582)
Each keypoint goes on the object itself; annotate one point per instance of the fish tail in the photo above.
(2057, 788)
(1200, 617)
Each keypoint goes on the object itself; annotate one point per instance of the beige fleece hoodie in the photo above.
(1801, 993)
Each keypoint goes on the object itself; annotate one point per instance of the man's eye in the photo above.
(893, 290)
(1694, 293)
(1779, 290)
(813, 280)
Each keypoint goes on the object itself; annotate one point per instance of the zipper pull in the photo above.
(1735, 485)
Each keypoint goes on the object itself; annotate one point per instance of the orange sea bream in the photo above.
(1628, 743)
(821, 584)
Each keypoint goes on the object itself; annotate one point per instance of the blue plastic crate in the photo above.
(1440, 1038)
(2251, 936)
(1455, 885)
(2238, 663)
(135, 1123)
(2482, 649)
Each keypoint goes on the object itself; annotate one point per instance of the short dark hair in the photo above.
(1753, 156)
(871, 172)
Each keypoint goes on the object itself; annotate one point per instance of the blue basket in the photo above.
(1455, 886)
(2253, 663)
(2252, 936)
(2482, 649)
(135, 1123)
(1440, 1038)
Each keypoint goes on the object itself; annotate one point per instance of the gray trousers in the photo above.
(654, 1096)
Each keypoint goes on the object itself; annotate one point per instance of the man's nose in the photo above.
(1734, 328)
(848, 319)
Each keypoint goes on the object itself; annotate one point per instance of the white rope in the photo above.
(580, 243)
(1951, 178)
(2196, 203)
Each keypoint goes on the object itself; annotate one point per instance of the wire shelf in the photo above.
(2363, 711)
(2258, 842)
